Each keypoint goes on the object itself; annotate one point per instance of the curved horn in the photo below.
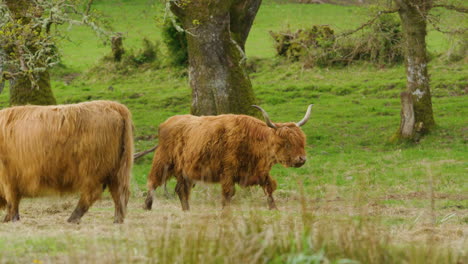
(306, 117)
(265, 115)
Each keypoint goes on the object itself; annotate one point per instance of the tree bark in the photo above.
(413, 17)
(2, 80)
(219, 81)
(117, 47)
(407, 115)
(243, 13)
(22, 90)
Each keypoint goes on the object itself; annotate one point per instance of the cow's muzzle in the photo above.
(300, 161)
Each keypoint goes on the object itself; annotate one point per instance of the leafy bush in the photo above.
(294, 45)
(459, 48)
(147, 57)
(319, 46)
(148, 54)
(176, 43)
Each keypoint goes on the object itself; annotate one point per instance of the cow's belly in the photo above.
(202, 174)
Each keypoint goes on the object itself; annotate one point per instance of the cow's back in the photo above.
(60, 147)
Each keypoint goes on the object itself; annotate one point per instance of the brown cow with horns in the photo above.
(228, 149)
(66, 148)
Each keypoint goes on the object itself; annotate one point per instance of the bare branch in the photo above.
(368, 23)
(88, 7)
(460, 9)
(450, 32)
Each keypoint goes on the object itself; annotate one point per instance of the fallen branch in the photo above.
(143, 153)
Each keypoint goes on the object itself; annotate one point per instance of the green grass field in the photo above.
(358, 199)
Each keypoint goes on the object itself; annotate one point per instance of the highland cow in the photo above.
(226, 149)
(66, 148)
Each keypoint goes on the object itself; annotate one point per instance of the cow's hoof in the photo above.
(147, 206)
(118, 221)
(148, 203)
(73, 220)
(272, 207)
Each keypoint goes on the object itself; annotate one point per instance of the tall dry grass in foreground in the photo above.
(335, 228)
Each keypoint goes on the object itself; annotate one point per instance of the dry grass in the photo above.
(304, 230)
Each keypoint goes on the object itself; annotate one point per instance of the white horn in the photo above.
(265, 116)
(306, 117)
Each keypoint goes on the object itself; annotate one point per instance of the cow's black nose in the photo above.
(300, 161)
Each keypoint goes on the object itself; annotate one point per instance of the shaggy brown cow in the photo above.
(227, 149)
(66, 148)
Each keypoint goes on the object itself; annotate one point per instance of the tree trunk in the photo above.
(413, 17)
(2, 80)
(117, 47)
(22, 90)
(243, 13)
(407, 115)
(217, 74)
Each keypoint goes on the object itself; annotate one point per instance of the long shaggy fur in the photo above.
(66, 148)
(227, 149)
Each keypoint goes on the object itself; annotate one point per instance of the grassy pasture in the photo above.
(357, 199)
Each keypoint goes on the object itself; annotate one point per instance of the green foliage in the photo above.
(147, 55)
(175, 42)
(319, 46)
(294, 45)
(459, 49)
(146, 58)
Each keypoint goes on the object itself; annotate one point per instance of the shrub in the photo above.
(148, 54)
(319, 46)
(147, 57)
(459, 48)
(176, 43)
(294, 45)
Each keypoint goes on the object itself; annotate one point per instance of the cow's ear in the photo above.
(266, 117)
(306, 117)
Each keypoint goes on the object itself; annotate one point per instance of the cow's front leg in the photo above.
(269, 186)
(88, 197)
(183, 188)
(12, 206)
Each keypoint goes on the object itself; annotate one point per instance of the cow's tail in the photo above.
(126, 157)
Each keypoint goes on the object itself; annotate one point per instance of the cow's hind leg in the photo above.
(120, 198)
(87, 199)
(269, 186)
(228, 191)
(12, 207)
(2, 203)
(183, 188)
(157, 176)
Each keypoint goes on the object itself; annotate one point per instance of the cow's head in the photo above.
(289, 140)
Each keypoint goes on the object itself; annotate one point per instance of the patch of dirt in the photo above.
(425, 195)
(333, 2)
(69, 77)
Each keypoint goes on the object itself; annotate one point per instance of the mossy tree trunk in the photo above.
(22, 89)
(23, 92)
(216, 34)
(2, 59)
(413, 15)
